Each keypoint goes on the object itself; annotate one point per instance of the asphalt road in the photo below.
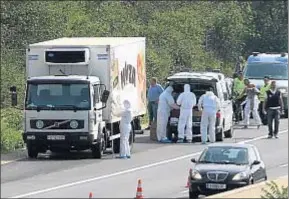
(163, 169)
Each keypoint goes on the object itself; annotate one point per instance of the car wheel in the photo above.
(32, 151)
(193, 194)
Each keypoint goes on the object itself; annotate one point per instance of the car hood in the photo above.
(220, 167)
(260, 82)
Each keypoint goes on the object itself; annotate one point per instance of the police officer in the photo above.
(273, 106)
(238, 88)
(262, 95)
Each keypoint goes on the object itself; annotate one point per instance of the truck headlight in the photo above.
(73, 124)
(240, 176)
(39, 124)
(196, 175)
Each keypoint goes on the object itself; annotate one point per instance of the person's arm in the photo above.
(160, 88)
(200, 103)
(281, 102)
(180, 99)
(264, 103)
(194, 99)
(172, 103)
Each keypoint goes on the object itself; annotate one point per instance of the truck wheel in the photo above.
(96, 150)
(32, 151)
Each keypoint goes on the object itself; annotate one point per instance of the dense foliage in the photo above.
(180, 34)
(274, 191)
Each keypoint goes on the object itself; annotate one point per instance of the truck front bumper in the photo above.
(77, 140)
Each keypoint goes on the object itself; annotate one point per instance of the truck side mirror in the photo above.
(13, 92)
(105, 96)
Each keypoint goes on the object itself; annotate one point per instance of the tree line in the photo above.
(179, 34)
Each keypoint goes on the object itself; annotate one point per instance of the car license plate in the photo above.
(55, 137)
(216, 186)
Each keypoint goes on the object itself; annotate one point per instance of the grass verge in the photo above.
(11, 126)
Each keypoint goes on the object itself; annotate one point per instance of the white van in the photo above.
(200, 83)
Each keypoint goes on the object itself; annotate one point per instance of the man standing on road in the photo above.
(273, 106)
(209, 104)
(262, 95)
(237, 89)
(153, 97)
(186, 100)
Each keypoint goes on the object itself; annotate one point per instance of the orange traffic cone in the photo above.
(188, 182)
(90, 195)
(139, 190)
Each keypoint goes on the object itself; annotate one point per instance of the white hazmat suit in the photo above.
(252, 104)
(166, 103)
(209, 103)
(186, 100)
(125, 128)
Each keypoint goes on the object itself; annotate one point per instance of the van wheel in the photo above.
(96, 150)
(219, 136)
(32, 151)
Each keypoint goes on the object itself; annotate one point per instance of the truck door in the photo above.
(97, 104)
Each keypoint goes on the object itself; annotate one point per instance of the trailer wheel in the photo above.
(32, 151)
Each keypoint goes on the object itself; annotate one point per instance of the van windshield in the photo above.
(277, 71)
(60, 96)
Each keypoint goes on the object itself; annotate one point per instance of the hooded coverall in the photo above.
(252, 104)
(209, 103)
(186, 100)
(166, 103)
(125, 128)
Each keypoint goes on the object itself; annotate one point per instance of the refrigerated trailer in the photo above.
(75, 90)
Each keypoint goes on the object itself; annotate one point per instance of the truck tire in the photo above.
(193, 194)
(32, 151)
(96, 150)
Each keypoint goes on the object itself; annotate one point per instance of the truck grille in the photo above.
(217, 176)
(57, 124)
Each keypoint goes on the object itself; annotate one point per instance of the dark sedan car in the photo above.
(225, 166)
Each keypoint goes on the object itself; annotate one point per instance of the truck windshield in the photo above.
(58, 96)
(277, 71)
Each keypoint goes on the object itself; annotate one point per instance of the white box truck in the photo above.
(75, 89)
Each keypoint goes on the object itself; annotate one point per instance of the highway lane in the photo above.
(118, 178)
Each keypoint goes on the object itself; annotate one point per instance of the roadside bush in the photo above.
(11, 127)
(275, 191)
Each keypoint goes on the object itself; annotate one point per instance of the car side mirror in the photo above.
(105, 96)
(13, 92)
(256, 162)
(193, 160)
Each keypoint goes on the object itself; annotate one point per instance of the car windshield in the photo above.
(61, 96)
(259, 70)
(225, 155)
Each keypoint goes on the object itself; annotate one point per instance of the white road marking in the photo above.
(129, 170)
(284, 165)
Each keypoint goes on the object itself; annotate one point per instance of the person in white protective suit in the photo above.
(166, 104)
(125, 128)
(209, 104)
(251, 104)
(186, 100)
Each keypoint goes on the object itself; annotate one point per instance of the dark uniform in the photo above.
(273, 108)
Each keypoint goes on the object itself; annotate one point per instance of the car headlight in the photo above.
(73, 124)
(240, 176)
(39, 124)
(196, 175)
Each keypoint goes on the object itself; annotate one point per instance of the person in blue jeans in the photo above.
(154, 93)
